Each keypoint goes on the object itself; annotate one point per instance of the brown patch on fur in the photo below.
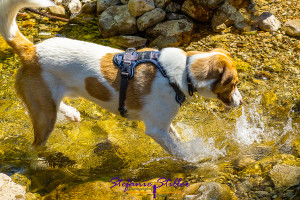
(33, 90)
(220, 67)
(138, 87)
(97, 89)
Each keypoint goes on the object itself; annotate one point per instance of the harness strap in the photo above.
(125, 74)
(191, 88)
(127, 62)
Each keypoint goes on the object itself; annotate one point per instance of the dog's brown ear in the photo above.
(228, 76)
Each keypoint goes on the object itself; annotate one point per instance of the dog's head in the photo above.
(214, 75)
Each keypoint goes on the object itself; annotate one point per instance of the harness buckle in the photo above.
(124, 74)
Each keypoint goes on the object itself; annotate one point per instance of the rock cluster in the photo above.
(168, 22)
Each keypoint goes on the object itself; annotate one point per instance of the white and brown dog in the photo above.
(60, 67)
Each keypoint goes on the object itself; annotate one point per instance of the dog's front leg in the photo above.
(69, 112)
(164, 139)
(174, 133)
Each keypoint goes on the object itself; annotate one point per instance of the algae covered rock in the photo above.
(285, 175)
(292, 27)
(116, 20)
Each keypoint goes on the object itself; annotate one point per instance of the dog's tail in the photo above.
(8, 26)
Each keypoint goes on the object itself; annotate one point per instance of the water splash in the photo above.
(196, 148)
(249, 127)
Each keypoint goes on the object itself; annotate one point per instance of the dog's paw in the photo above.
(69, 113)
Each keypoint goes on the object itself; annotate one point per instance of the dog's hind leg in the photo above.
(38, 98)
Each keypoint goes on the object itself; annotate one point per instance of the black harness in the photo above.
(127, 61)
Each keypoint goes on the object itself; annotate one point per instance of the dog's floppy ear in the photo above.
(227, 76)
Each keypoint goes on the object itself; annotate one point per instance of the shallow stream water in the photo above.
(224, 146)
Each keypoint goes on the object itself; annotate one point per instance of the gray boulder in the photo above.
(177, 32)
(139, 7)
(89, 7)
(173, 7)
(161, 3)
(116, 20)
(104, 4)
(150, 18)
(292, 27)
(175, 16)
(212, 3)
(195, 10)
(268, 22)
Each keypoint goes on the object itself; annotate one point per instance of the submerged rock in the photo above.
(292, 27)
(9, 190)
(90, 190)
(212, 190)
(268, 22)
(285, 175)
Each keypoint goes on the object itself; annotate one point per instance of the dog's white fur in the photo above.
(66, 63)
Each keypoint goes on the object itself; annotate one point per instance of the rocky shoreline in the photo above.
(171, 22)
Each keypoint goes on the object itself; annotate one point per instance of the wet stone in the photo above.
(285, 175)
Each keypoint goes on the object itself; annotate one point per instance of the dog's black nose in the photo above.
(241, 102)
